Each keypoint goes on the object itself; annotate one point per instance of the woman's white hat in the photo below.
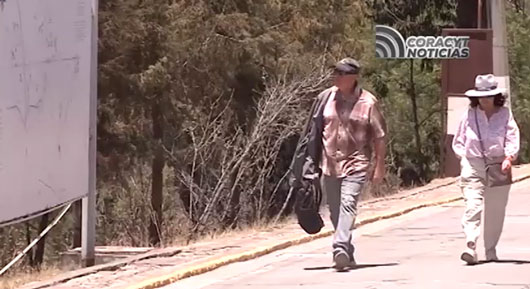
(485, 85)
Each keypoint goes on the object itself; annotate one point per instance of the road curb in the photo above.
(252, 254)
(120, 263)
(167, 279)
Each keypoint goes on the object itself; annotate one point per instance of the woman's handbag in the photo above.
(494, 175)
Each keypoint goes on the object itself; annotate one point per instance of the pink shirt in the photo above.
(349, 130)
(500, 135)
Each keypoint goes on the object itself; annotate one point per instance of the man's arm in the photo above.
(379, 133)
(380, 153)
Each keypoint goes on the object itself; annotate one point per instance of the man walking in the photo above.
(353, 126)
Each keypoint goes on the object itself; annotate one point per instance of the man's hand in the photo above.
(379, 174)
(506, 164)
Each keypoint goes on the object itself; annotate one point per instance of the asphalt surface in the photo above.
(417, 250)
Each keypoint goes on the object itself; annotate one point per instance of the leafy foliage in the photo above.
(519, 59)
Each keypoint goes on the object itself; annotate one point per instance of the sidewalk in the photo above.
(163, 266)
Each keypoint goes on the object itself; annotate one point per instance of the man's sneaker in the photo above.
(341, 260)
(491, 255)
(469, 256)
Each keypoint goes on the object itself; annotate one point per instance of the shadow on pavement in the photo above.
(516, 262)
(358, 266)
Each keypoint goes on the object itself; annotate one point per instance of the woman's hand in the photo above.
(506, 164)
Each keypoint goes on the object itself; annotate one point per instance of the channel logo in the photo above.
(390, 44)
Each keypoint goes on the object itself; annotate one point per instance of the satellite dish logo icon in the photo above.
(389, 43)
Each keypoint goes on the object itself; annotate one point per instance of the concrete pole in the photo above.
(88, 231)
(501, 67)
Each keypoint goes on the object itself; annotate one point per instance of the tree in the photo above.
(416, 18)
(519, 56)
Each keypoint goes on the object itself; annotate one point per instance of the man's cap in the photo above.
(348, 65)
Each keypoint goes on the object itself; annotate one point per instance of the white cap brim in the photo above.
(482, 93)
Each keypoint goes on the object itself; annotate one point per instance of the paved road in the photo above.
(418, 250)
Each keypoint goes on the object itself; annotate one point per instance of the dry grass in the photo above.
(231, 234)
(20, 277)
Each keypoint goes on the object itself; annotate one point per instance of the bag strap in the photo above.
(317, 108)
(318, 189)
(307, 125)
(325, 100)
(480, 139)
(297, 163)
(320, 121)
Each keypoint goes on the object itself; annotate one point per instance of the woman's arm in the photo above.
(459, 141)
(511, 142)
(512, 138)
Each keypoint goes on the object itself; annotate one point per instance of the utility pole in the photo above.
(501, 69)
(88, 239)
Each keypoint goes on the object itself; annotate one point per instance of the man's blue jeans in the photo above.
(343, 195)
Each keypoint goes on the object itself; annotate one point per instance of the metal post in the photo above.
(500, 51)
(89, 203)
(479, 14)
(488, 14)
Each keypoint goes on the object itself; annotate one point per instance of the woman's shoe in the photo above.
(491, 255)
(470, 255)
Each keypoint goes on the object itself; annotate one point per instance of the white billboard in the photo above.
(457, 106)
(45, 58)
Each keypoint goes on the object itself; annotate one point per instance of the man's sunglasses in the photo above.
(342, 73)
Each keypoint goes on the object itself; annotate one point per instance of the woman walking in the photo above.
(487, 141)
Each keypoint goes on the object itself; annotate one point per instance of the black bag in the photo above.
(305, 170)
(307, 206)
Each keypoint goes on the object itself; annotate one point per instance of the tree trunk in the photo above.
(157, 178)
(77, 224)
(230, 221)
(412, 94)
(39, 252)
(28, 240)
